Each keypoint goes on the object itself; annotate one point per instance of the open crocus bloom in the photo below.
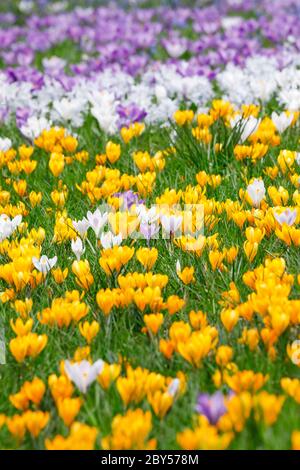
(97, 221)
(83, 373)
(287, 217)
(44, 264)
(8, 226)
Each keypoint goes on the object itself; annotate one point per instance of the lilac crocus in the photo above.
(131, 113)
(129, 198)
(149, 231)
(211, 406)
(287, 217)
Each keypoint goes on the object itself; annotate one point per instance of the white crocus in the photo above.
(287, 217)
(35, 126)
(173, 387)
(77, 247)
(178, 267)
(44, 264)
(8, 226)
(70, 110)
(247, 127)
(147, 216)
(81, 226)
(97, 220)
(256, 191)
(175, 49)
(5, 144)
(282, 121)
(108, 240)
(171, 223)
(83, 373)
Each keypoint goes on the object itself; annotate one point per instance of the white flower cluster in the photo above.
(159, 93)
(261, 80)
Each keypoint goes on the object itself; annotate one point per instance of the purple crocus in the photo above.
(212, 406)
(149, 231)
(22, 115)
(131, 113)
(129, 198)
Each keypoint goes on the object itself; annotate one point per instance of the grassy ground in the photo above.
(122, 335)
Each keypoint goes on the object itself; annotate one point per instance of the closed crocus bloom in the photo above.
(84, 277)
(77, 248)
(254, 235)
(295, 440)
(19, 400)
(81, 226)
(286, 160)
(250, 250)
(89, 330)
(60, 387)
(171, 223)
(130, 431)
(183, 117)
(36, 421)
(59, 275)
(267, 407)
(229, 319)
(174, 304)
(147, 257)
(105, 301)
(166, 348)
(153, 322)
(216, 259)
(282, 121)
(21, 328)
(16, 426)
(186, 275)
(198, 320)
(280, 320)
(224, 355)
(56, 163)
(35, 198)
(68, 409)
(113, 151)
(109, 374)
(20, 187)
(160, 402)
(256, 191)
(34, 390)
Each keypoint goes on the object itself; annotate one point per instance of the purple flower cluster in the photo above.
(199, 41)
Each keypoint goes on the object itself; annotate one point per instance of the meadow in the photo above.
(149, 225)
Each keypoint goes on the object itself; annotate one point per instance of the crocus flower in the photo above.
(149, 231)
(5, 144)
(212, 406)
(108, 240)
(44, 264)
(256, 191)
(77, 247)
(171, 223)
(83, 373)
(282, 121)
(129, 198)
(287, 217)
(8, 226)
(246, 127)
(97, 220)
(81, 226)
